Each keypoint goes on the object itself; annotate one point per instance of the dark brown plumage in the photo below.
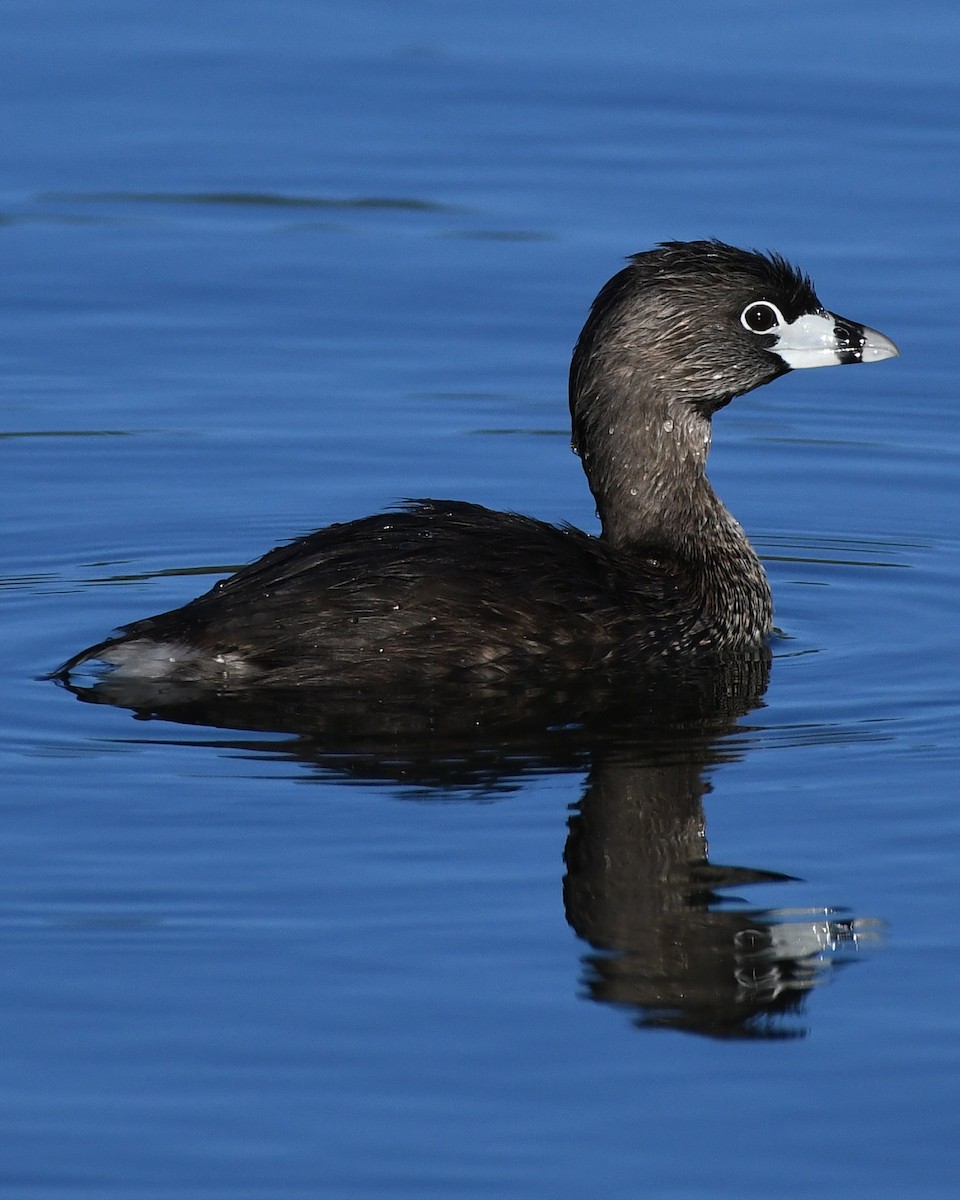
(447, 592)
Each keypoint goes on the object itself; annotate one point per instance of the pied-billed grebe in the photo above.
(442, 591)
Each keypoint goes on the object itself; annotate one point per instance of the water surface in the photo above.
(270, 266)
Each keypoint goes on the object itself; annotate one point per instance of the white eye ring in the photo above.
(760, 316)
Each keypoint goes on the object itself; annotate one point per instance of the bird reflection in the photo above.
(642, 892)
(666, 940)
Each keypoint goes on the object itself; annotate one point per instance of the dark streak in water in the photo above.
(66, 433)
(26, 582)
(165, 573)
(253, 200)
(833, 562)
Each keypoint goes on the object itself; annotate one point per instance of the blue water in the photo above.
(267, 266)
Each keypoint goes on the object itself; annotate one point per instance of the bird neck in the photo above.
(649, 476)
(653, 496)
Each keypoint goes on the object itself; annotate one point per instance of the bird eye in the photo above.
(761, 317)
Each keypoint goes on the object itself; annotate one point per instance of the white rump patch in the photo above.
(142, 659)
